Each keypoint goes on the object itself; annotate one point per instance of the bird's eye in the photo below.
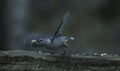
(40, 40)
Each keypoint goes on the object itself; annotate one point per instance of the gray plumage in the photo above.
(51, 42)
(62, 25)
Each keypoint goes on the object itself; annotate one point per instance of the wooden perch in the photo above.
(19, 60)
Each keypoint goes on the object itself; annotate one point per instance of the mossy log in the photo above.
(20, 60)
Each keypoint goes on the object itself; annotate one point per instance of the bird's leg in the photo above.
(67, 46)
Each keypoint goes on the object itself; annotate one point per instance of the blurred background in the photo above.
(95, 24)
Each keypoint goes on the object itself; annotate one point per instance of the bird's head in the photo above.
(40, 42)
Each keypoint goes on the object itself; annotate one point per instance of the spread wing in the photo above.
(61, 26)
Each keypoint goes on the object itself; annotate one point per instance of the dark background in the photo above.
(95, 24)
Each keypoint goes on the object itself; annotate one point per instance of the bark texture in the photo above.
(20, 60)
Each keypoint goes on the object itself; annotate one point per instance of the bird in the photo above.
(51, 42)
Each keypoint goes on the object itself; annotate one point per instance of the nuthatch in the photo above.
(54, 42)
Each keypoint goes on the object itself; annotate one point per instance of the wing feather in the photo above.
(62, 25)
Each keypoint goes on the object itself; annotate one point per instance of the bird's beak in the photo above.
(34, 41)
